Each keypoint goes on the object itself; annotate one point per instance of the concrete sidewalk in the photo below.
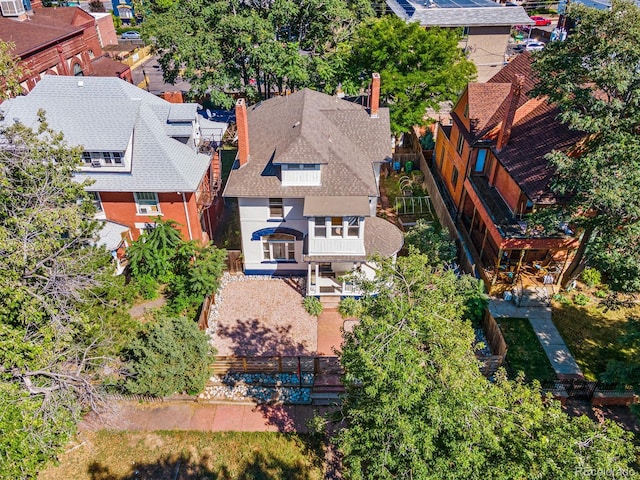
(552, 343)
(208, 417)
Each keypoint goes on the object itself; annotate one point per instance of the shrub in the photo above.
(350, 307)
(169, 355)
(601, 293)
(581, 299)
(146, 286)
(313, 306)
(591, 277)
(562, 299)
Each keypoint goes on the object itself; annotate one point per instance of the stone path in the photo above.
(552, 343)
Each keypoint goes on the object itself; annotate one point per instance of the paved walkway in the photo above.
(133, 416)
(557, 351)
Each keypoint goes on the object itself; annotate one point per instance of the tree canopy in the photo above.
(418, 67)
(225, 46)
(10, 72)
(593, 77)
(417, 406)
(50, 336)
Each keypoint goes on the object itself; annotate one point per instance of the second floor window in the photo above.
(353, 227)
(97, 159)
(481, 160)
(147, 203)
(460, 145)
(454, 177)
(276, 208)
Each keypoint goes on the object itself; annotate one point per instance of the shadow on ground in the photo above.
(184, 467)
(252, 338)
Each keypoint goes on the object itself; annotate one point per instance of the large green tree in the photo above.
(418, 67)
(50, 337)
(593, 77)
(10, 72)
(252, 48)
(417, 405)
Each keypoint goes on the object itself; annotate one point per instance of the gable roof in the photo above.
(106, 114)
(536, 131)
(310, 127)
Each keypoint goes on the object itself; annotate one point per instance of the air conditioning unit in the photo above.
(148, 209)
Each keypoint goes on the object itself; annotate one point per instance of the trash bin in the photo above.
(408, 167)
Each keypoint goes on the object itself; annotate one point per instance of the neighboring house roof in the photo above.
(110, 234)
(45, 26)
(313, 128)
(535, 132)
(107, 67)
(105, 114)
(459, 13)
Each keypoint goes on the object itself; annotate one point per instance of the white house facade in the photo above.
(306, 179)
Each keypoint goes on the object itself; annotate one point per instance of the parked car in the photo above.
(534, 46)
(541, 21)
(131, 35)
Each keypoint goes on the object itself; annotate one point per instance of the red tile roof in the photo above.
(535, 133)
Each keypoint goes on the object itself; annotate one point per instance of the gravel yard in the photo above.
(261, 316)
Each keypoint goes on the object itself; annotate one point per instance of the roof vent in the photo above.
(81, 83)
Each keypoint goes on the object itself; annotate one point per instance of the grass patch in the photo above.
(190, 455)
(592, 334)
(524, 350)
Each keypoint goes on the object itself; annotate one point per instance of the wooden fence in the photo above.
(271, 365)
(234, 261)
(494, 334)
(203, 319)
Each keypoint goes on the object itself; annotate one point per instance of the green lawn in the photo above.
(183, 455)
(592, 334)
(524, 350)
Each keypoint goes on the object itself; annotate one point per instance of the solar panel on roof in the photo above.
(407, 7)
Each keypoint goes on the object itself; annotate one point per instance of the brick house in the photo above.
(492, 164)
(306, 178)
(145, 156)
(59, 41)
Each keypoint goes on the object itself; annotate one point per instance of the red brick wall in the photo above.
(120, 207)
(107, 31)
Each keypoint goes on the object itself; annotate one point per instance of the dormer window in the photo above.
(100, 159)
(300, 174)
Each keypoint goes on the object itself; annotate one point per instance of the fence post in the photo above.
(316, 365)
(279, 364)
(244, 364)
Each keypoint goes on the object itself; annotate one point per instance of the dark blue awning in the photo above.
(270, 231)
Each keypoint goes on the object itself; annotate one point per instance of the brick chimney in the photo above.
(242, 125)
(507, 121)
(374, 100)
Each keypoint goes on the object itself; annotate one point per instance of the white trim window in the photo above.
(276, 208)
(99, 159)
(279, 247)
(320, 227)
(353, 227)
(147, 203)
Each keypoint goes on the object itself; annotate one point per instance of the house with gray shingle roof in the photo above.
(306, 178)
(486, 26)
(142, 155)
(494, 166)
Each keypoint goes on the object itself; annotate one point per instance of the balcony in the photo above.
(508, 224)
